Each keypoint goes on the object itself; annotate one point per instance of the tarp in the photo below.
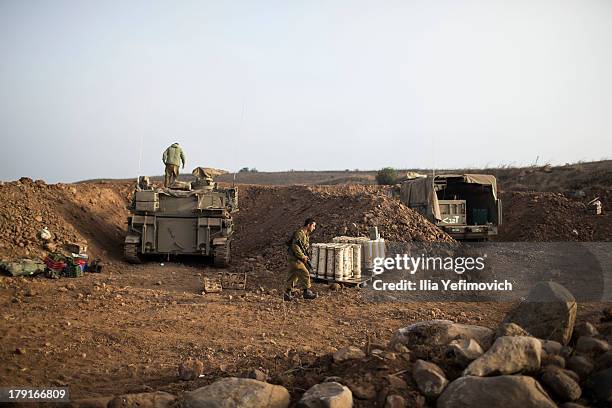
(483, 179)
(207, 172)
(420, 192)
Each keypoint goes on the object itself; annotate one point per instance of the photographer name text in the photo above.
(442, 285)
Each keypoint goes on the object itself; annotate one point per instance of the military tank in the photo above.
(187, 218)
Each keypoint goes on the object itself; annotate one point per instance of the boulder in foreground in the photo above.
(508, 391)
(234, 392)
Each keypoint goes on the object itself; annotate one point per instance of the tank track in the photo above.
(221, 255)
(130, 252)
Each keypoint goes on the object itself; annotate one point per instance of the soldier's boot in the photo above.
(309, 294)
(287, 296)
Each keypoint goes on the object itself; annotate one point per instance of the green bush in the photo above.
(386, 176)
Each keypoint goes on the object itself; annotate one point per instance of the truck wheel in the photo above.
(130, 251)
(221, 255)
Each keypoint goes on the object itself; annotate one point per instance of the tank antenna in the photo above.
(433, 167)
(140, 157)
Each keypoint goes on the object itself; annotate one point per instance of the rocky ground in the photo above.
(128, 329)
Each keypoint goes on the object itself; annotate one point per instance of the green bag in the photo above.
(73, 269)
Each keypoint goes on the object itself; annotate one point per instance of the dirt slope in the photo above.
(95, 212)
(269, 215)
(92, 212)
(551, 217)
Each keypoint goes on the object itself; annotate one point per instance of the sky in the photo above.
(98, 89)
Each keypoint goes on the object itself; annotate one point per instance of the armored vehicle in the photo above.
(465, 206)
(185, 219)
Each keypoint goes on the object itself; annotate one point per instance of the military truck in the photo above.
(185, 219)
(465, 206)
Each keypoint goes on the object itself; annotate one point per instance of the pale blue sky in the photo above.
(301, 84)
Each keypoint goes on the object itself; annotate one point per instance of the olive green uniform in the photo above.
(173, 156)
(298, 251)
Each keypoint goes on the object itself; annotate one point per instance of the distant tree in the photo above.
(244, 170)
(253, 170)
(386, 176)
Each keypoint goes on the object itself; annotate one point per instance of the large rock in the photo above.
(552, 347)
(548, 312)
(234, 392)
(585, 329)
(508, 391)
(157, 399)
(508, 355)
(562, 385)
(464, 351)
(591, 346)
(600, 387)
(571, 374)
(362, 389)
(552, 360)
(440, 333)
(430, 378)
(511, 329)
(348, 353)
(580, 365)
(327, 395)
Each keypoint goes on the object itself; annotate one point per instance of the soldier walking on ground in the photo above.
(298, 261)
(172, 158)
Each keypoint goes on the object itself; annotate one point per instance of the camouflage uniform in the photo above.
(172, 172)
(172, 158)
(297, 268)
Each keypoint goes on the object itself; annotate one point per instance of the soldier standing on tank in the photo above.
(298, 260)
(172, 158)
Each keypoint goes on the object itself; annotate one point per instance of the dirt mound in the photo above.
(269, 215)
(94, 213)
(550, 217)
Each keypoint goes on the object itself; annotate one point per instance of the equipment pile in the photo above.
(56, 264)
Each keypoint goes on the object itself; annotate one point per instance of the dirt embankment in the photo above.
(551, 217)
(94, 213)
(269, 215)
